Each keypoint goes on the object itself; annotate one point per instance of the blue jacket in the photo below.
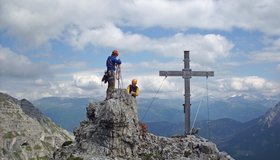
(111, 62)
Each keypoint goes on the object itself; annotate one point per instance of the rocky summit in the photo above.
(25, 133)
(113, 131)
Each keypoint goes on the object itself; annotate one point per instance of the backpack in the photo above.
(105, 77)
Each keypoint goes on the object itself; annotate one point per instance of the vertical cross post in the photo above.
(187, 104)
(187, 74)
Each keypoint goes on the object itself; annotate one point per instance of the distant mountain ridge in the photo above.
(259, 139)
(25, 133)
(272, 117)
(240, 108)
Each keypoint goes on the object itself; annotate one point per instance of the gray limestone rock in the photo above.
(271, 117)
(112, 131)
(25, 133)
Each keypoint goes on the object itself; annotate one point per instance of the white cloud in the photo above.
(154, 66)
(64, 88)
(107, 35)
(106, 23)
(210, 14)
(88, 84)
(248, 83)
(41, 82)
(40, 21)
(57, 89)
(210, 46)
(251, 85)
(67, 65)
(17, 65)
(30, 21)
(87, 81)
(267, 56)
(271, 53)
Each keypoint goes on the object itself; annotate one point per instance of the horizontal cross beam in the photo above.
(187, 73)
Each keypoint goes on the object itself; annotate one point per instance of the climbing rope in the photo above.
(119, 77)
(153, 99)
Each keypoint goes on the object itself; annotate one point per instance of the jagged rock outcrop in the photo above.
(112, 131)
(271, 117)
(25, 133)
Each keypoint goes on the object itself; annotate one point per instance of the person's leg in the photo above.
(111, 85)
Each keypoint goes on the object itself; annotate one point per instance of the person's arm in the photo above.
(137, 91)
(115, 60)
(128, 89)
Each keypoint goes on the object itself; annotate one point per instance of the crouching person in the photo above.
(133, 89)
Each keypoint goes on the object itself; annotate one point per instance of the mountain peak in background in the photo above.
(113, 131)
(272, 117)
(25, 133)
(257, 139)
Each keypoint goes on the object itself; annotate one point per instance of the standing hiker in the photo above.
(111, 64)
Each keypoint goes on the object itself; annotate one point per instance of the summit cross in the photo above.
(187, 74)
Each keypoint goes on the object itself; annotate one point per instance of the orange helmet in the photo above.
(115, 53)
(134, 81)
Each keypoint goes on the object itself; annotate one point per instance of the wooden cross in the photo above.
(187, 73)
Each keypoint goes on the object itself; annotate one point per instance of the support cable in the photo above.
(153, 99)
(196, 113)
(208, 111)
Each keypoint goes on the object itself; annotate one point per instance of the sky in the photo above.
(59, 47)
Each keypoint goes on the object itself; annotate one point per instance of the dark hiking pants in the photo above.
(111, 84)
